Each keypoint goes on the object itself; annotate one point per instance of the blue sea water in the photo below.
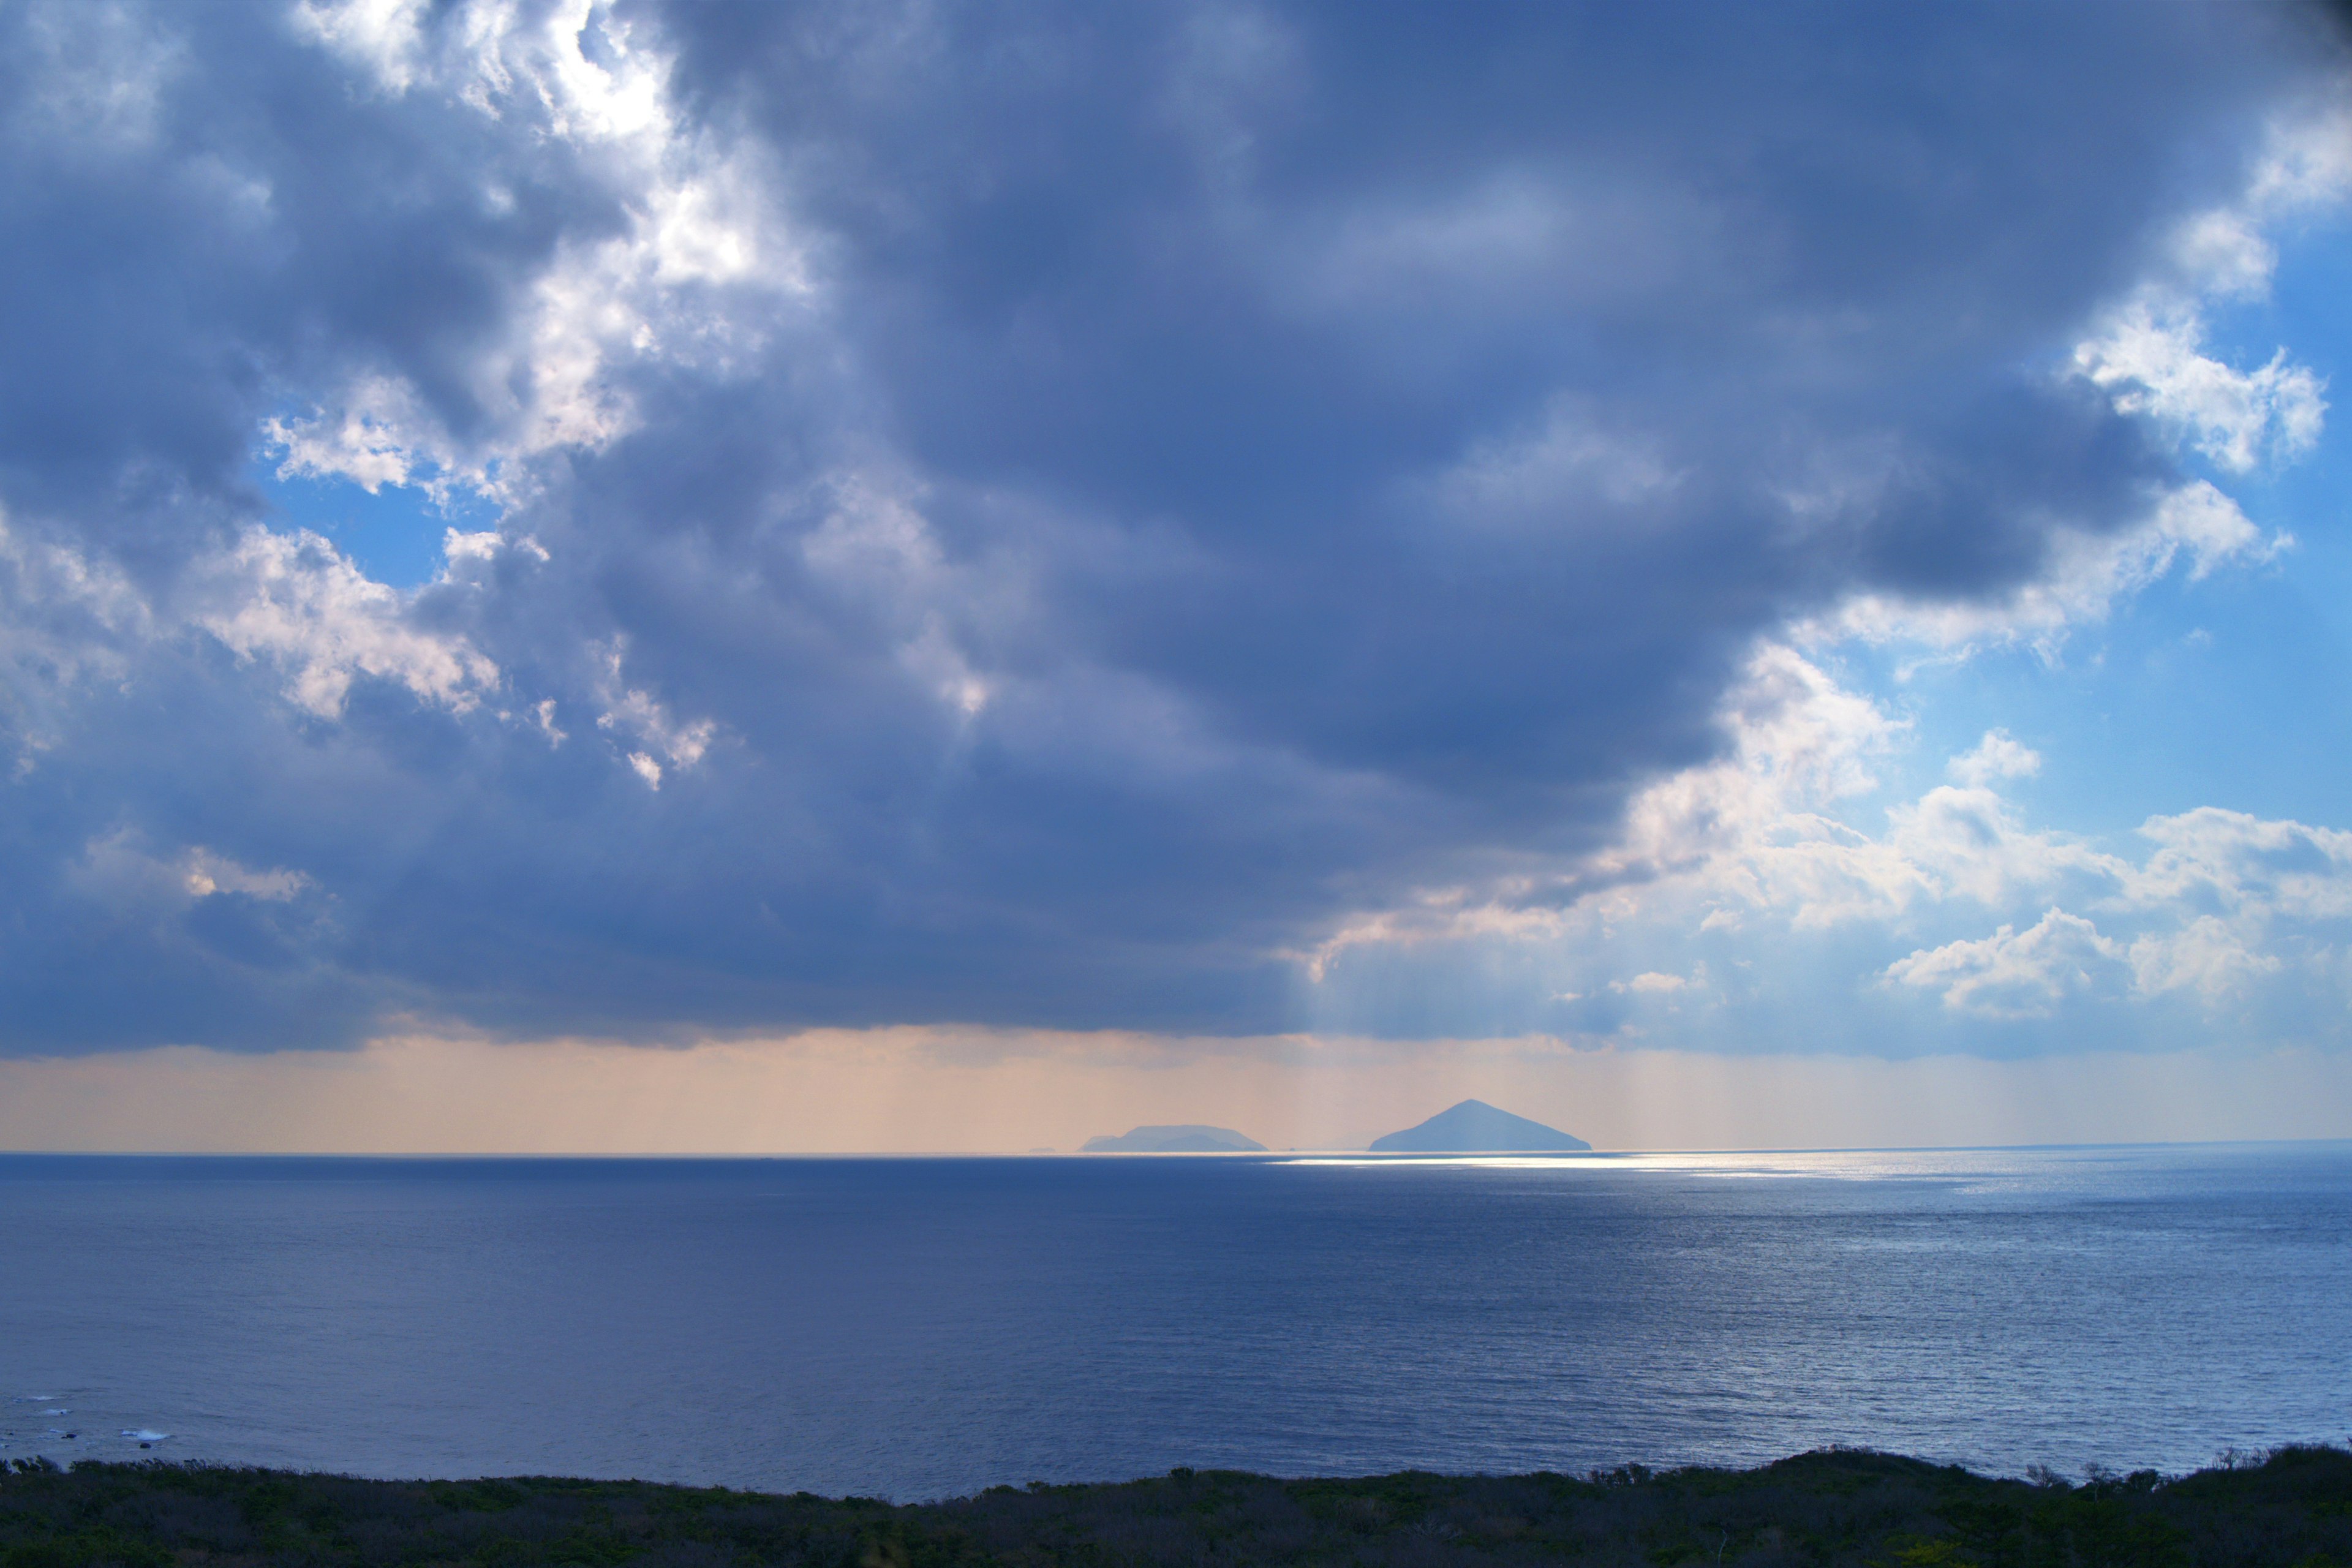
(920, 1328)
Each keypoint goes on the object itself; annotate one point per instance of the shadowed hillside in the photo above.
(2291, 1508)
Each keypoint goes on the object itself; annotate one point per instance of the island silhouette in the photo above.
(1187, 1138)
(1474, 1127)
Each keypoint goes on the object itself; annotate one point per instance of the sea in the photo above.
(922, 1328)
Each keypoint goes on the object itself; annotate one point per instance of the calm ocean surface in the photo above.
(915, 1327)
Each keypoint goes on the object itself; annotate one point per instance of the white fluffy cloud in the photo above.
(2148, 353)
(2015, 974)
(636, 715)
(296, 601)
(2216, 904)
(2150, 360)
(1997, 756)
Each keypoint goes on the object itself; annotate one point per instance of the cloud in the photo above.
(2208, 956)
(2084, 577)
(1052, 518)
(1780, 878)
(631, 711)
(1653, 984)
(2234, 862)
(295, 600)
(2013, 973)
(1997, 756)
(2236, 418)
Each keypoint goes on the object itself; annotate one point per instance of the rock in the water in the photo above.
(1474, 1127)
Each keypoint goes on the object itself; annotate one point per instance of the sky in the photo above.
(719, 577)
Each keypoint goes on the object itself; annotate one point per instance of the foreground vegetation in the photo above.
(2291, 1508)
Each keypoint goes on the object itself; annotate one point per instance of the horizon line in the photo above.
(1262, 1155)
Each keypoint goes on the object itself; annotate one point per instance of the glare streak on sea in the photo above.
(917, 1327)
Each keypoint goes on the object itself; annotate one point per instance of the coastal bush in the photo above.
(1835, 1509)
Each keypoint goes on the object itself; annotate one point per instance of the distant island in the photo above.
(1189, 1138)
(1474, 1127)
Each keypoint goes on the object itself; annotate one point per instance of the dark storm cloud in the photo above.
(1227, 468)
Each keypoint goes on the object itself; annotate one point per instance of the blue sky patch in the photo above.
(394, 535)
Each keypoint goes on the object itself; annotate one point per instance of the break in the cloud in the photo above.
(1213, 518)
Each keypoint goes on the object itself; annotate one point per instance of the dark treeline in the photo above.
(2292, 1507)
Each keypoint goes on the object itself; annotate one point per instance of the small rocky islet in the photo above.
(1472, 1127)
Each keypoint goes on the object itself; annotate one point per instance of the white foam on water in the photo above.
(140, 1435)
